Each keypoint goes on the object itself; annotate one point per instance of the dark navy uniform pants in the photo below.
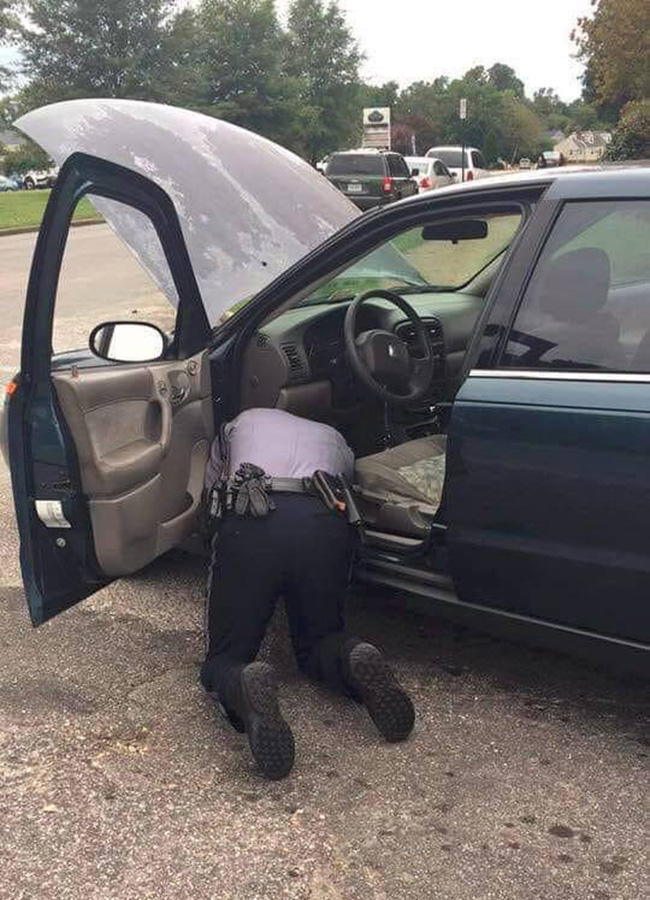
(300, 551)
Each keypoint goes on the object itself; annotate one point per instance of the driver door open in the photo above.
(107, 460)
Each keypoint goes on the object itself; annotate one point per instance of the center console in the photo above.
(423, 418)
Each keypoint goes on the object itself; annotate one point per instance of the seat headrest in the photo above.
(575, 285)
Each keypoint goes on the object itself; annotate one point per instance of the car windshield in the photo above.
(411, 263)
(355, 164)
(453, 158)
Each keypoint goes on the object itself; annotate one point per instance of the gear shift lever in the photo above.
(387, 439)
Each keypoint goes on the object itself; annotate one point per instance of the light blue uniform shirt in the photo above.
(282, 444)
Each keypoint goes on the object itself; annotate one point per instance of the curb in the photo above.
(28, 229)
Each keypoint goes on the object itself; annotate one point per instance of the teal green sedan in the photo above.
(484, 348)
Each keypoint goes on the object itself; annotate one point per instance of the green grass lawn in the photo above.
(24, 209)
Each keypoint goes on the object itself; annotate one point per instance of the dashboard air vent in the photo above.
(297, 365)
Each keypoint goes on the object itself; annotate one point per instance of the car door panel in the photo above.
(549, 487)
(142, 445)
(549, 505)
(106, 459)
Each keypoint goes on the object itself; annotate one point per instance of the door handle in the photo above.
(178, 394)
(165, 422)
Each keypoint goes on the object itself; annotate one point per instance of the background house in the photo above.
(584, 146)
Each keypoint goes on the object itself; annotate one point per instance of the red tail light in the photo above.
(425, 184)
(469, 176)
(387, 186)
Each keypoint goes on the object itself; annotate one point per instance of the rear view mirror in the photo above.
(128, 342)
(461, 230)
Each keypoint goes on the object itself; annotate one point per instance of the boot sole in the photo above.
(388, 704)
(270, 737)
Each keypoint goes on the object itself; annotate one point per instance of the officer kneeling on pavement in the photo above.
(282, 518)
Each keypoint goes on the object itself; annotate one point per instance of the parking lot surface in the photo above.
(526, 777)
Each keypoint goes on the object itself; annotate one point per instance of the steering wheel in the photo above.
(382, 360)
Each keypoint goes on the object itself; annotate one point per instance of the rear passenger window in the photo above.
(397, 167)
(588, 303)
(477, 160)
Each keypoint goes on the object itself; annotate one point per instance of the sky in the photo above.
(417, 40)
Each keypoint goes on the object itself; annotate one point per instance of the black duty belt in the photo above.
(248, 493)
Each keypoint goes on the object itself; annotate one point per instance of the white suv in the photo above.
(452, 157)
(43, 178)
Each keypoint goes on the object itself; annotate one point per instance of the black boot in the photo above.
(370, 680)
(269, 736)
(249, 698)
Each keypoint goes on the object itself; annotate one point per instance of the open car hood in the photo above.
(248, 208)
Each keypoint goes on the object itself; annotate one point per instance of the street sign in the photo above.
(376, 127)
(463, 108)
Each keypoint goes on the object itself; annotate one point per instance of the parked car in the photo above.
(549, 159)
(42, 178)
(371, 177)
(429, 173)
(525, 163)
(486, 353)
(8, 184)
(452, 157)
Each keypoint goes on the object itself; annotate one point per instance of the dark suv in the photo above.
(371, 177)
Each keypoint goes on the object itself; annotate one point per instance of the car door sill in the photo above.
(439, 588)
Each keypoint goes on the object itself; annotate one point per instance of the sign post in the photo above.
(462, 112)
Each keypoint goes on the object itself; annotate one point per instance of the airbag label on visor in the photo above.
(50, 512)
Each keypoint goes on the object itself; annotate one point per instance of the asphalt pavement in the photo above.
(526, 777)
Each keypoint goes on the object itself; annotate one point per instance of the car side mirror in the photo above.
(128, 342)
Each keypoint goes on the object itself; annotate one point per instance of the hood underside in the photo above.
(248, 208)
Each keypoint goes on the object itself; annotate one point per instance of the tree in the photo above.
(75, 48)
(631, 138)
(26, 157)
(499, 120)
(615, 46)
(424, 106)
(401, 138)
(504, 78)
(385, 94)
(176, 71)
(520, 129)
(8, 19)
(8, 22)
(240, 50)
(324, 57)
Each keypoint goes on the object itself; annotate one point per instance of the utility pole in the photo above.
(462, 112)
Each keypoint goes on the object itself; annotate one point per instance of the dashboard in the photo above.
(298, 360)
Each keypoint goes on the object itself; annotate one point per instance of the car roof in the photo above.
(364, 151)
(564, 183)
(451, 147)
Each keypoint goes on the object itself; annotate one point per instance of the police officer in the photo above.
(281, 530)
